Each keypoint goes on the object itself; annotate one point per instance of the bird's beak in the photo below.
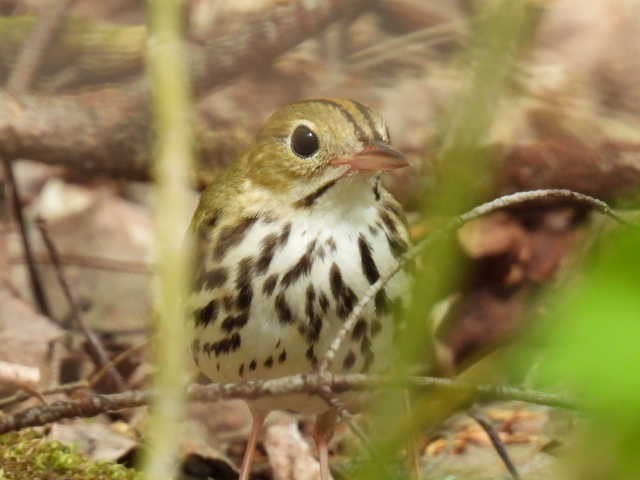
(375, 156)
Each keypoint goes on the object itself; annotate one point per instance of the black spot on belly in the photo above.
(270, 284)
(268, 362)
(324, 302)
(310, 355)
(369, 267)
(301, 268)
(285, 316)
(282, 357)
(243, 284)
(267, 250)
(344, 296)
(314, 320)
(284, 234)
(207, 314)
(224, 346)
(359, 330)
(227, 302)
(241, 370)
(349, 361)
(233, 322)
(253, 365)
(212, 278)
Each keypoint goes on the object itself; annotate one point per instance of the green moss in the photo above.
(27, 455)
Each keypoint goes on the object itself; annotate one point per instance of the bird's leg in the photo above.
(247, 460)
(322, 434)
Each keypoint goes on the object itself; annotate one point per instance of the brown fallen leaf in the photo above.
(25, 336)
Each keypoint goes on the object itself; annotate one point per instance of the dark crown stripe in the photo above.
(348, 116)
(366, 113)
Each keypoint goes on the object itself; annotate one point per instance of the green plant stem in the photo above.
(170, 102)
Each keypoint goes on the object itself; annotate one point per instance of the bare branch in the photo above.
(21, 396)
(16, 206)
(455, 223)
(310, 384)
(497, 443)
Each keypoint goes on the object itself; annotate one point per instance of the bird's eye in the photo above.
(304, 142)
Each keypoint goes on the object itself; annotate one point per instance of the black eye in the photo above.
(304, 142)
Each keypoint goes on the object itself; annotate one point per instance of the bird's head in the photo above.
(313, 143)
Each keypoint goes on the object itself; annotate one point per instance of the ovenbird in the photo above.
(287, 241)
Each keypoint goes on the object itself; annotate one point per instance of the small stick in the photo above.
(346, 417)
(95, 404)
(453, 224)
(95, 346)
(16, 206)
(115, 361)
(21, 396)
(497, 443)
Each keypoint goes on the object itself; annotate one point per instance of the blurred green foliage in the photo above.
(463, 170)
(592, 350)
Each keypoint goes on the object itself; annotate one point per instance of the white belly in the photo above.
(299, 302)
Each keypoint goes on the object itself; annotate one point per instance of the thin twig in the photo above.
(497, 443)
(30, 58)
(115, 361)
(22, 396)
(346, 416)
(69, 387)
(98, 352)
(455, 223)
(310, 384)
(16, 205)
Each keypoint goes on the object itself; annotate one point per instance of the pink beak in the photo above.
(375, 156)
